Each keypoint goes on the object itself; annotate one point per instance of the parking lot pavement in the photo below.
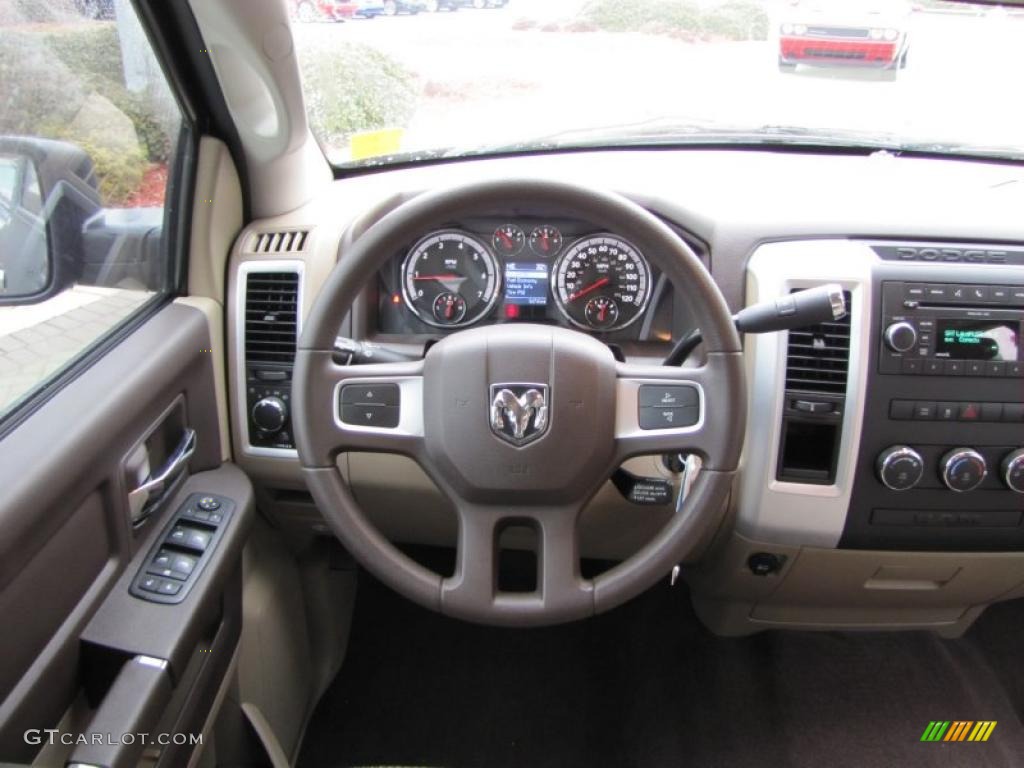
(484, 79)
(38, 340)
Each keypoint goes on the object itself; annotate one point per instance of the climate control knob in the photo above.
(963, 469)
(1013, 471)
(900, 467)
(901, 337)
(269, 414)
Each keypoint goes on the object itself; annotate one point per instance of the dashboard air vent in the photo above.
(818, 357)
(291, 241)
(271, 315)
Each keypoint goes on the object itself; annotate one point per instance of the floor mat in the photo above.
(647, 685)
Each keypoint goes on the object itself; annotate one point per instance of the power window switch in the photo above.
(183, 566)
(150, 584)
(168, 587)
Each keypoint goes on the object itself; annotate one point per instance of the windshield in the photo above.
(396, 81)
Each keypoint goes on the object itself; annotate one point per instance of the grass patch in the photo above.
(731, 20)
(351, 87)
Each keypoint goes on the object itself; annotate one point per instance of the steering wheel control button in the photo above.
(371, 394)
(378, 416)
(668, 418)
(668, 396)
(900, 468)
(963, 469)
(1013, 471)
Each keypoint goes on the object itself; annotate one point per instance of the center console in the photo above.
(942, 466)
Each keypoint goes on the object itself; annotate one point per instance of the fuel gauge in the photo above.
(508, 239)
(546, 241)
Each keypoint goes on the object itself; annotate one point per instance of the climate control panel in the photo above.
(960, 469)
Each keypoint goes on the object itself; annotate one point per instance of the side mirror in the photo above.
(48, 190)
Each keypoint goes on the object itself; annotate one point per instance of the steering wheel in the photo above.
(518, 423)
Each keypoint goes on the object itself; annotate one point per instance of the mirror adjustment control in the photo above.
(1013, 471)
(963, 469)
(900, 468)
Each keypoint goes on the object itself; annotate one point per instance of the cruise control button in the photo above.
(370, 394)
(379, 416)
(668, 418)
(667, 396)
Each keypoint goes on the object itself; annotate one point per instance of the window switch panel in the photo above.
(176, 561)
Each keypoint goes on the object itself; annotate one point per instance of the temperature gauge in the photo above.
(545, 241)
(449, 308)
(601, 312)
(508, 240)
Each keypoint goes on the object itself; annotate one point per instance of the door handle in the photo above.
(153, 487)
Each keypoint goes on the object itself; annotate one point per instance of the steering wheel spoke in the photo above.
(562, 594)
(667, 409)
(375, 408)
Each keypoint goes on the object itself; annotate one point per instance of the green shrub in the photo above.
(35, 90)
(351, 87)
(119, 173)
(734, 20)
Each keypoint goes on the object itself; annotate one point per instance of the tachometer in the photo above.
(450, 279)
(602, 283)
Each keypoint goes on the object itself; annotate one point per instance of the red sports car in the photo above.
(854, 34)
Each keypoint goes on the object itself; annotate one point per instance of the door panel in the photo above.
(65, 535)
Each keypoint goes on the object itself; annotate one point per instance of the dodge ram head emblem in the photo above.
(519, 412)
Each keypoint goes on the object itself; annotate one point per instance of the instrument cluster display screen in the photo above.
(978, 340)
(527, 283)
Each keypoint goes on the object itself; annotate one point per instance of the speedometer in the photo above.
(450, 279)
(602, 283)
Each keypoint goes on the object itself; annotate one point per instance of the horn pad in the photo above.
(486, 433)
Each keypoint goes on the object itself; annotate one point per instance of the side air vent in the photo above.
(271, 318)
(289, 241)
(818, 357)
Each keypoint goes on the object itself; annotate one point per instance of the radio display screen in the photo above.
(526, 284)
(978, 340)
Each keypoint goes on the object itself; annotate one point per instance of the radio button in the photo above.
(1000, 295)
(911, 365)
(995, 368)
(914, 292)
(959, 292)
(980, 293)
(901, 336)
(934, 367)
(1017, 295)
(974, 368)
(954, 367)
(938, 292)
(1015, 369)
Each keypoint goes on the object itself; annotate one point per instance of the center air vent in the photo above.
(818, 357)
(271, 318)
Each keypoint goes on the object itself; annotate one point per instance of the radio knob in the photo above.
(269, 414)
(900, 467)
(901, 337)
(963, 469)
(1013, 471)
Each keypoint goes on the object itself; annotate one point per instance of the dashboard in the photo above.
(519, 266)
(882, 477)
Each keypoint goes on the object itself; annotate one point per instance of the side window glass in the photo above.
(88, 128)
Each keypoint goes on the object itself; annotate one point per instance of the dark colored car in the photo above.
(410, 7)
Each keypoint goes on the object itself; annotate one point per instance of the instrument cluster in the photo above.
(523, 269)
